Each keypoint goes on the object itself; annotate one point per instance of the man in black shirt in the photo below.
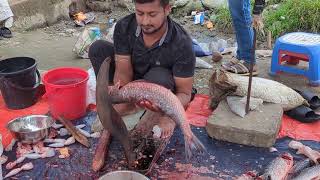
(149, 45)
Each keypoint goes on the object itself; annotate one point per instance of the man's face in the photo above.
(151, 16)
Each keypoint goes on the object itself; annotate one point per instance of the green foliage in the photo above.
(294, 15)
(222, 18)
(270, 2)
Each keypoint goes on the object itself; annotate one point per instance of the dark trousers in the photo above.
(100, 50)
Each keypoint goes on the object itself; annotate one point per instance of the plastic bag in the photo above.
(91, 87)
(202, 64)
(85, 39)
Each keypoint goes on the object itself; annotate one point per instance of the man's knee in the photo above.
(161, 76)
(98, 52)
(100, 48)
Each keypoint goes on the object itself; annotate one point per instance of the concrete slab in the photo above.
(258, 128)
(29, 14)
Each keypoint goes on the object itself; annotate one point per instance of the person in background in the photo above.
(243, 22)
(6, 19)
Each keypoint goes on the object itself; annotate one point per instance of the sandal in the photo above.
(5, 32)
(241, 69)
(312, 98)
(303, 114)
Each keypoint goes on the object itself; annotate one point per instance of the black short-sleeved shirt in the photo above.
(173, 51)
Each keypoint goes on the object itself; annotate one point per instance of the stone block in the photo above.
(258, 128)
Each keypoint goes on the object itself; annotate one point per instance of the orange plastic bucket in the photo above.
(66, 89)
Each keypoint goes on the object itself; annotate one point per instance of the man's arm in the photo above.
(123, 69)
(123, 74)
(184, 89)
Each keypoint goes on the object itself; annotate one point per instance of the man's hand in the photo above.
(149, 105)
(258, 23)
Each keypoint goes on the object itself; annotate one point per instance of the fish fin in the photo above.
(192, 145)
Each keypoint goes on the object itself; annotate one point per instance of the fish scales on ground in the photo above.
(166, 101)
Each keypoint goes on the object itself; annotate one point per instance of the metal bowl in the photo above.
(30, 129)
(123, 175)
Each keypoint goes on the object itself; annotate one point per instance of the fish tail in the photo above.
(193, 144)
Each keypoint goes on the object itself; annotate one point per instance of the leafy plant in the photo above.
(294, 15)
(222, 18)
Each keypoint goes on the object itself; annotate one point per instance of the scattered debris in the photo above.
(64, 153)
(273, 149)
(25, 167)
(216, 56)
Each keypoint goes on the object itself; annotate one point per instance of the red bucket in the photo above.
(66, 89)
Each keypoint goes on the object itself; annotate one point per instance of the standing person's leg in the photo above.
(242, 22)
(5, 19)
(98, 52)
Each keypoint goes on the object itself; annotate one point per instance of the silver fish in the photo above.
(56, 145)
(80, 126)
(32, 156)
(95, 135)
(85, 133)
(63, 132)
(69, 141)
(54, 140)
(49, 153)
(279, 168)
(25, 167)
(311, 173)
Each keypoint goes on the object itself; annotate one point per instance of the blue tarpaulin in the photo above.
(229, 159)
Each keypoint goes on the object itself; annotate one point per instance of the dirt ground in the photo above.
(52, 47)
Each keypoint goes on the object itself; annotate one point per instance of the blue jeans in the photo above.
(241, 17)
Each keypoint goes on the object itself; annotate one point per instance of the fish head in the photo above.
(114, 89)
(220, 87)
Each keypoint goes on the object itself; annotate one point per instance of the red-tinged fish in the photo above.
(164, 99)
(312, 173)
(279, 168)
(305, 150)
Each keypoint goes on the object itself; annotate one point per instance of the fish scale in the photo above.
(309, 173)
(164, 99)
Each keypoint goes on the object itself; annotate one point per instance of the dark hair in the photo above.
(162, 2)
